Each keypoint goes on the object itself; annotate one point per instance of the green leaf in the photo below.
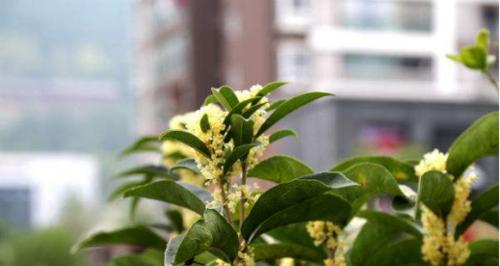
(212, 234)
(187, 164)
(178, 193)
(175, 220)
(186, 138)
(280, 169)
(210, 99)
(241, 130)
(480, 139)
(288, 107)
(250, 111)
(270, 87)
(238, 153)
(225, 96)
(118, 192)
(436, 192)
(204, 123)
(294, 234)
(149, 170)
(490, 217)
(275, 104)
(483, 40)
(144, 144)
(281, 250)
(294, 202)
(340, 184)
(474, 57)
(483, 253)
(135, 236)
(394, 221)
(283, 133)
(238, 109)
(455, 58)
(150, 257)
(400, 170)
(374, 178)
(386, 246)
(483, 203)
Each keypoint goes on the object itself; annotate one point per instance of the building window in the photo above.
(360, 66)
(293, 62)
(385, 14)
(293, 13)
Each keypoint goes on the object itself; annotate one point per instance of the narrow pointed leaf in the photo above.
(178, 193)
(212, 234)
(270, 87)
(483, 252)
(226, 96)
(480, 139)
(175, 219)
(149, 170)
(136, 236)
(280, 169)
(144, 144)
(150, 257)
(275, 104)
(391, 220)
(210, 99)
(186, 138)
(283, 133)
(238, 109)
(288, 107)
(188, 164)
(238, 153)
(250, 111)
(204, 123)
(400, 170)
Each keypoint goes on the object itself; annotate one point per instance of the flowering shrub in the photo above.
(215, 217)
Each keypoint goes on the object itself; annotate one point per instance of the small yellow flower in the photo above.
(461, 204)
(434, 160)
(434, 236)
(287, 262)
(219, 262)
(327, 234)
(457, 250)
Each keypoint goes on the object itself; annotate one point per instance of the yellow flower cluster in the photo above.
(234, 196)
(287, 262)
(461, 204)
(434, 160)
(245, 259)
(327, 234)
(434, 236)
(219, 262)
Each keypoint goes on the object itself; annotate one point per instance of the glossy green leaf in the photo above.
(288, 107)
(436, 192)
(241, 130)
(135, 236)
(144, 144)
(186, 138)
(483, 253)
(341, 185)
(281, 250)
(204, 123)
(187, 164)
(490, 217)
(400, 170)
(483, 203)
(238, 109)
(394, 221)
(150, 257)
(178, 193)
(282, 133)
(374, 178)
(238, 153)
(480, 139)
(212, 234)
(175, 220)
(120, 190)
(273, 105)
(251, 110)
(225, 96)
(297, 201)
(210, 99)
(386, 245)
(294, 234)
(270, 87)
(149, 170)
(280, 169)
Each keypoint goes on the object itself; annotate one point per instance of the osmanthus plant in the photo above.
(213, 216)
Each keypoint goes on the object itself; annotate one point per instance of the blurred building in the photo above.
(384, 59)
(35, 187)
